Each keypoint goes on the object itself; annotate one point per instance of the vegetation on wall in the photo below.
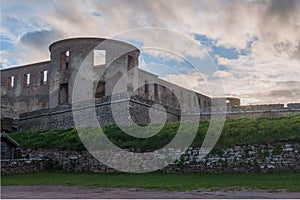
(235, 132)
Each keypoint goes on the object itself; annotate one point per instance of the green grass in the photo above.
(184, 182)
(235, 132)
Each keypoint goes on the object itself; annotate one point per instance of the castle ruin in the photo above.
(39, 95)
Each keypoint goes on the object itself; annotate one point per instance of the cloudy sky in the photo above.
(254, 44)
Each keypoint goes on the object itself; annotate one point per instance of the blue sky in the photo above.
(255, 45)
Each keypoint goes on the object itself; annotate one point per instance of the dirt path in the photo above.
(63, 192)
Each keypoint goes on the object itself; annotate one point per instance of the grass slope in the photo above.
(183, 182)
(235, 131)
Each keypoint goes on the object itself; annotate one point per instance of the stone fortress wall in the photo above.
(39, 95)
(62, 117)
(17, 96)
(280, 156)
(42, 92)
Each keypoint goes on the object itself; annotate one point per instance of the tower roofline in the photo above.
(95, 39)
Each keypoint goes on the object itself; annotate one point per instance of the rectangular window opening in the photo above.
(100, 89)
(155, 89)
(146, 87)
(129, 88)
(164, 90)
(99, 57)
(64, 60)
(44, 77)
(130, 63)
(195, 101)
(11, 82)
(63, 93)
(26, 80)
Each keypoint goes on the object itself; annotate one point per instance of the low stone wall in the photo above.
(295, 106)
(262, 114)
(248, 158)
(252, 114)
(62, 117)
(22, 166)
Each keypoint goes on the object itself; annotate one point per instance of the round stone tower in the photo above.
(68, 55)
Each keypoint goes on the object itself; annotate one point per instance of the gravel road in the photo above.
(63, 192)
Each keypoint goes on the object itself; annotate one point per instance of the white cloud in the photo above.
(4, 62)
(273, 57)
(162, 54)
(193, 80)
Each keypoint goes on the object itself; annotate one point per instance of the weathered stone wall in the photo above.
(248, 158)
(66, 58)
(293, 106)
(279, 156)
(254, 114)
(24, 98)
(23, 166)
(263, 107)
(80, 53)
(50, 102)
(170, 94)
(62, 117)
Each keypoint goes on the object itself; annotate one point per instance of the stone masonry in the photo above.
(48, 87)
(279, 156)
